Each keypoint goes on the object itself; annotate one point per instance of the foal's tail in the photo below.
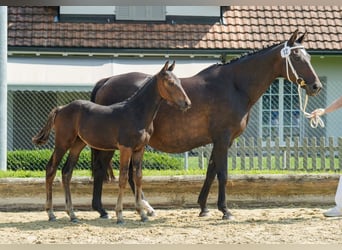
(43, 135)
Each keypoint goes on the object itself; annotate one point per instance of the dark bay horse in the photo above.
(126, 126)
(222, 96)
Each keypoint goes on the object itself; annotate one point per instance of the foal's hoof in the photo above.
(151, 213)
(144, 219)
(120, 222)
(74, 220)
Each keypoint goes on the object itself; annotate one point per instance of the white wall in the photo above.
(331, 68)
(79, 73)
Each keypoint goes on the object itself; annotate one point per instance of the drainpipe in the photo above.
(3, 87)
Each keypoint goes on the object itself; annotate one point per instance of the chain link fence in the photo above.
(275, 121)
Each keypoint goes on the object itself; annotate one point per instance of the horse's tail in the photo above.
(43, 135)
(97, 86)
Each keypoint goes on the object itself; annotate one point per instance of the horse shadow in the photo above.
(64, 222)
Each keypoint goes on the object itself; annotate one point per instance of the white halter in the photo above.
(285, 53)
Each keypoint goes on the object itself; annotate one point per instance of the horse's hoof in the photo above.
(105, 216)
(52, 219)
(74, 220)
(120, 222)
(204, 213)
(144, 218)
(227, 217)
(151, 213)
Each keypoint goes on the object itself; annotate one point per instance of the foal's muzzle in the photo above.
(186, 105)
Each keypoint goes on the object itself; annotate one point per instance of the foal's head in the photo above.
(297, 67)
(170, 88)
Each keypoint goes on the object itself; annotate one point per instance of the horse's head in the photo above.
(170, 88)
(297, 66)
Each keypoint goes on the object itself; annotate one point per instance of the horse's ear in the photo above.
(165, 66)
(172, 66)
(301, 39)
(292, 39)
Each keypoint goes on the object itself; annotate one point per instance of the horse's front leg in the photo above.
(137, 166)
(203, 196)
(217, 166)
(150, 210)
(100, 162)
(220, 158)
(125, 157)
(50, 173)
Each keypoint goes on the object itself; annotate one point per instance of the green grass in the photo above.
(194, 169)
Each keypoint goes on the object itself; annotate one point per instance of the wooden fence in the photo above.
(305, 155)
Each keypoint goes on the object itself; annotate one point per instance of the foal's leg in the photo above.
(137, 165)
(67, 170)
(50, 173)
(150, 210)
(100, 162)
(125, 157)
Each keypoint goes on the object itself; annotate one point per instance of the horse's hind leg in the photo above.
(137, 165)
(100, 161)
(67, 170)
(50, 173)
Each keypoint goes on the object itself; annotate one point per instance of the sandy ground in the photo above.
(171, 226)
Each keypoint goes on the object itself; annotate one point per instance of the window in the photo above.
(281, 116)
(169, 14)
(140, 13)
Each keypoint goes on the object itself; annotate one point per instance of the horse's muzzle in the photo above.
(186, 105)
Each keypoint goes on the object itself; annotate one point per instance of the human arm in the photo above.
(332, 107)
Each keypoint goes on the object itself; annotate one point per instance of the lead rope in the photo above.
(314, 120)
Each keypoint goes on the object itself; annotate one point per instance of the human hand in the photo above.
(317, 112)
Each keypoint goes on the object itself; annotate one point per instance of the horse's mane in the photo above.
(244, 55)
(250, 53)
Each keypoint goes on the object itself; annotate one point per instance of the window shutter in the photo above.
(123, 12)
(140, 13)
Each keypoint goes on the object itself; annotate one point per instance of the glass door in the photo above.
(280, 111)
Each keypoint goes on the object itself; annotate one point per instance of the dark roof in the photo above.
(243, 28)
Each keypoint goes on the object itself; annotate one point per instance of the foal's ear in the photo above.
(172, 66)
(292, 39)
(301, 39)
(165, 66)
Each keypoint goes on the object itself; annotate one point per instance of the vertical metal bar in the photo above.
(186, 160)
(3, 87)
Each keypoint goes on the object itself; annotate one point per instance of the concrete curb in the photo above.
(19, 194)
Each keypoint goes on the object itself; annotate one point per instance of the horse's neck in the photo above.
(145, 102)
(256, 73)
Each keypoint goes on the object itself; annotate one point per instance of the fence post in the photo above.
(201, 157)
(322, 152)
(305, 153)
(296, 152)
(268, 156)
(314, 153)
(186, 160)
(339, 146)
(260, 153)
(331, 153)
(3, 87)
